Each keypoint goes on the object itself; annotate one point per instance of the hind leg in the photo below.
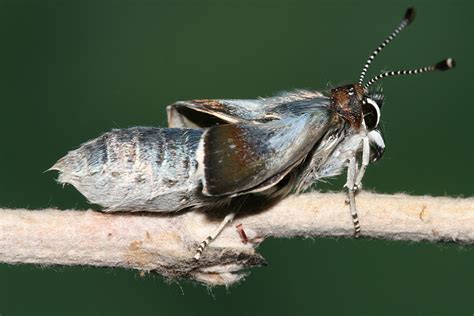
(213, 236)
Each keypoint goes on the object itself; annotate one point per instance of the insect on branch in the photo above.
(218, 153)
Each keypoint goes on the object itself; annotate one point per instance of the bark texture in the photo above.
(166, 243)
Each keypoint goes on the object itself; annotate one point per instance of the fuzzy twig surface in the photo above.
(166, 243)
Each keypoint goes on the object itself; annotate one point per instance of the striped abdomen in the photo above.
(137, 169)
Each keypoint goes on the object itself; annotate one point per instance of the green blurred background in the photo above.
(70, 70)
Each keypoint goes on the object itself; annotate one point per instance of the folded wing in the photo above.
(242, 157)
(209, 112)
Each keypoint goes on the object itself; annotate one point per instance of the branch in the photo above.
(167, 243)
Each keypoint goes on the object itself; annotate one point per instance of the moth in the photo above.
(220, 153)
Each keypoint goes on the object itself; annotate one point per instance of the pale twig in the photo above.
(167, 243)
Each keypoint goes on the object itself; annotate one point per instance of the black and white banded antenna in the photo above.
(407, 19)
(443, 65)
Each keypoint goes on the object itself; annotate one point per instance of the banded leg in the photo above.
(216, 233)
(350, 184)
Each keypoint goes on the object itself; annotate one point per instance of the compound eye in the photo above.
(371, 112)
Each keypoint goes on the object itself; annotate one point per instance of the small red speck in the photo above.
(242, 234)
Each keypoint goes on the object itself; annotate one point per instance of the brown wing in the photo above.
(242, 157)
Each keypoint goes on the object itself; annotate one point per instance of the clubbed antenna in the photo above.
(409, 17)
(443, 65)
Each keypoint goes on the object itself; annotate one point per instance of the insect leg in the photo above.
(213, 236)
(243, 235)
(365, 163)
(350, 185)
